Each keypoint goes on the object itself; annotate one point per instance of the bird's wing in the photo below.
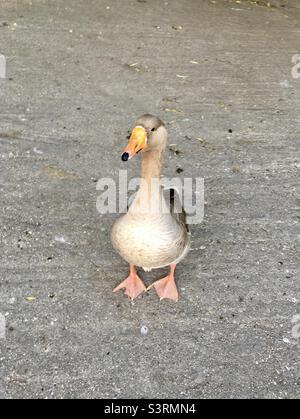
(176, 207)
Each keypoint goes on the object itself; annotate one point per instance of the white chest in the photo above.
(148, 242)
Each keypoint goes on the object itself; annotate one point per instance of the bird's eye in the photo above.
(153, 129)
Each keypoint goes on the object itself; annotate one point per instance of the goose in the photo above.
(153, 233)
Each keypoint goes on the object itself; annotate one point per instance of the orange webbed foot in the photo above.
(133, 285)
(166, 287)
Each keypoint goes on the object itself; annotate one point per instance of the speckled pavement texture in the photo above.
(219, 73)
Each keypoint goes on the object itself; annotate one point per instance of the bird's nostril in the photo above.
(125, 157)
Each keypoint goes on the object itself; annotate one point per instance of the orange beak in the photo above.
(137, 142)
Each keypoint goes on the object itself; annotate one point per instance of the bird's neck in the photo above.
(149, 196)
(151, 165)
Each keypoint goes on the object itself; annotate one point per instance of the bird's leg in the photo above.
(133, 285)
(166, 287)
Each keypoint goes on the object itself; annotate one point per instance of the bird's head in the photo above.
(149, 133)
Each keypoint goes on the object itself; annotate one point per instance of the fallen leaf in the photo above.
(173, 111)
(30, 299)
(202, 141)
(236, 169)
(54, 172)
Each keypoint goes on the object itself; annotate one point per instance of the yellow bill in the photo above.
(137, 142)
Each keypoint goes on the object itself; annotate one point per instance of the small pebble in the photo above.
(60, 239)
(144, 330)
(37, 151)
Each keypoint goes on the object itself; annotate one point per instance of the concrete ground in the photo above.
(78, 73)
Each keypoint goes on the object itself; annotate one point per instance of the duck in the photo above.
(153, 233)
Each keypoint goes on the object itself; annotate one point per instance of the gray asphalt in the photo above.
(70, 95)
